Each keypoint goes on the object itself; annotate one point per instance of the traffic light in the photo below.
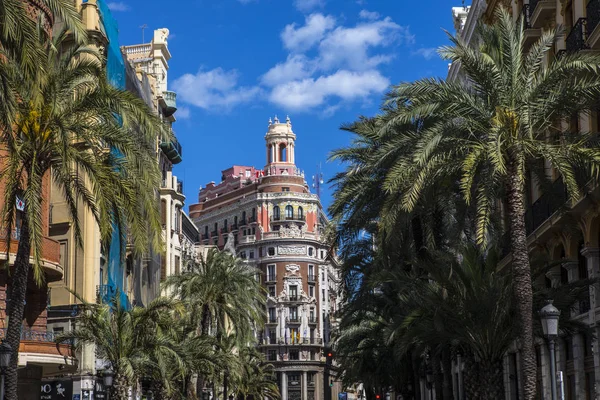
(330, 383)
(378, 396)
(328, 357)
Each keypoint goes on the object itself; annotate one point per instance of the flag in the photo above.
(20, 204)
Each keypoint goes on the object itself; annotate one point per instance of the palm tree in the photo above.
(487, 135)
(256, 378)
(96, 142)
(224, 292)
(133, 342)
(21, 48)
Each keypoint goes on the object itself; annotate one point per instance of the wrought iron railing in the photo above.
(593, 15)
(311, 278)
(584, 305)
(312, 320)
(33, 335)
(577, 37)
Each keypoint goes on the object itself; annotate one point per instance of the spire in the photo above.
(276, 119)
(270, 121)
(288, 121)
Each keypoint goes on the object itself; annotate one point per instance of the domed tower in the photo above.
(280, 148)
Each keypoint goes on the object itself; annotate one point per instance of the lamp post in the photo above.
(429, 378)
(107, 378)
(5, 354)
(549, 316)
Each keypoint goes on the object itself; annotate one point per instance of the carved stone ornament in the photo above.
(291, 231)
(291, 250)
(292, 268)
(229, 245)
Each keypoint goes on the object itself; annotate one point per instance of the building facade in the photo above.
(576, 250)
(96, 273)
(269, 218)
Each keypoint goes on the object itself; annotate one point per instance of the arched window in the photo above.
(283, 153)
(243, 217)
(289, 212)
(276, 214)
(300, 213)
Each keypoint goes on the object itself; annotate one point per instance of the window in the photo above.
(177, 265)
(300, 213)
(270, 273)
(276, 215)
(216, 229)
(285, 189)
(177, 218)
(272, 314)
(311, 291)
(235, 221)
(243, 255)
(293, 313)
(311, 273)
(58, 330)
(272, 355)
(323, 276)
(289, 212)
(322, 255)
(310, 251)
(293, 378)
(293, 293)
(271, 251)
(272, 291)
(260, 251)
(163, 213)
(311, 316)
(225, 225)
(254, 214)
(251, 254)
(323, 293)
(272, 337)
(243, 217)
(294, 355)
(247, 173)
(206, 231)
(294, 336)
(254, 231)
(311, 376)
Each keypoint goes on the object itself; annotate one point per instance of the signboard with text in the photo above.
(57, 390)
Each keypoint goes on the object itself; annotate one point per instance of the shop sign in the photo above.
(57, 390)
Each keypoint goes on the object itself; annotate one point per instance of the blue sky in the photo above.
(235, 63)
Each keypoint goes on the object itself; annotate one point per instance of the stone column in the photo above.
(284, 394)
(304, 385)
(592, 255)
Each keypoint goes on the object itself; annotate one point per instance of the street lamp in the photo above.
(549, 316)
(429, 378)
(5, 355)
(107, 378)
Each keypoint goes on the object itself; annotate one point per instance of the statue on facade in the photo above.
(230, 245)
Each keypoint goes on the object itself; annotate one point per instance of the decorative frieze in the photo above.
(291, 250)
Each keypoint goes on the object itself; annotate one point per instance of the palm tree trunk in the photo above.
(521, 272)
(120, 390)
(17, 288)
(204, 325)
(483, 379)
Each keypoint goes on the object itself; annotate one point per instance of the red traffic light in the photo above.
(330, 354)
(377, 396)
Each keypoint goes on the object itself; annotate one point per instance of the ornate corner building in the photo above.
(270, 219)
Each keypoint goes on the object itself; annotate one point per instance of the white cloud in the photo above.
(216, 89)
(303, 38)
(307, 5)
(118, 6)
(350, 46)
(246, 1)
(183, 112)
(372, 15)
(427, 52)
(296, 66)
(345, 85)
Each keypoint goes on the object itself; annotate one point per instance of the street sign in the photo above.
(57, 390)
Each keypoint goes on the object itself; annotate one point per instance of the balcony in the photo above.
(593, 19)
(214, 234)
(248, 239)
(299, 218)
(224, 230)
(234, 227)
(179, 186)
(530, 34)
(170, 99)
(311, 278)
(172, 150)
(243, 222)
(293, 298)
(271, 278)
(294, 319)
(252, 219)
(312, 320)
(577, 37)
(540, 11)
(272, 320)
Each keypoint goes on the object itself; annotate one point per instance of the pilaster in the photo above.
(304, 385)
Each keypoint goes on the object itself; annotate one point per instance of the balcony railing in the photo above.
(32, 335)
(294, 319)
(293, 298)
(577, 37)
(224, 230)
(251, 220)
(179, 186)
(272, 320)
(271, 278)
(15, 233)
(214, 233)
(171, 102)
(312, 320)
(172, 150)
(234, 227)
(311, 278)
(243, 222)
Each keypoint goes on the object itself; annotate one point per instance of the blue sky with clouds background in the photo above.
(235, 63)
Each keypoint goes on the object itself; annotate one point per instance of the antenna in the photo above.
(318, 180)
(142, 27)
